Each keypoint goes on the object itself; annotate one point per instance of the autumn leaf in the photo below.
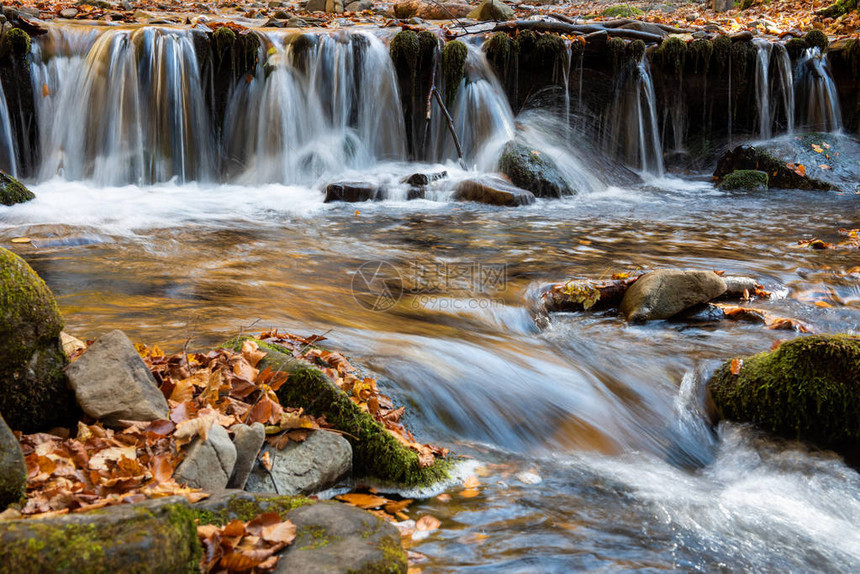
(736, 366)
(428, 523)
(363, 500)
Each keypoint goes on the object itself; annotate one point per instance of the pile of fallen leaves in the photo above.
(852, 241)
(245, 546)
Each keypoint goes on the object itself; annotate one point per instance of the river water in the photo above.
(623, 470)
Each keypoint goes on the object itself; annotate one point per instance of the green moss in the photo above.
(395, 560)
(699, 52)
(238, 508)
(672, 54)
(615, 52)
(551, 49)
(622, 11)
(317, 537)
(499, 49)
(635, 51)
(744, 55)
(525, 43)
(808, 388)
(744, 179)
(722, 46)
(795, 47)
(817, 39)
(453, 68)
(13, 191)
(838, 8)
(224, 39)
(19, 42)
(147, 542)
(404, 49)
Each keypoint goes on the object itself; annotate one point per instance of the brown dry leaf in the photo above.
(182, 391)
(428, 523)
(266, 460)
(100, 460)
(400, 506)
(252, 353)
(187, 430)
(736, 366)
(363, 500)
(281, 533)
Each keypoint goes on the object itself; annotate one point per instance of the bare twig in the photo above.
(450, 124)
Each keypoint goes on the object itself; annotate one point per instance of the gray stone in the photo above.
(492, 10)
(208, 463)
(359, 6)
(335, 538)
(533, 171)
(664, 293)
(296, 22)
(111, 382)
(13, 469)
(248, 441)
(69, 13)
(315, 6)
(280, 15)
(153, 536)
(352, 192)
(735, 286)
(319, 462)
(493, 191)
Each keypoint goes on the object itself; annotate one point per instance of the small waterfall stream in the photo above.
(762, 86)
(786, 86)
(818, 100)
(8, 162)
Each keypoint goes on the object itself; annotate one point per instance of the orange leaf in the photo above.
(428, 523)
(736, 366)
(363, 500)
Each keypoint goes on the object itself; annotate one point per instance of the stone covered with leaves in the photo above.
(34, 394)
(808, 388)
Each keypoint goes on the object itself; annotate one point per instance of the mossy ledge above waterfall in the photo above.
(377, 452)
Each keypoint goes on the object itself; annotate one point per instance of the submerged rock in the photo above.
(34, 394)
(664, 293)
(492, 10)
(307, 467)
(493, 191)
(209, 462)
(154, 536)
(419, 182)
(352, 192)
(780, 175)
(808, 388)
(13, 191)
(533, 171)
(13, 469)
(113, 384)
(744, 179)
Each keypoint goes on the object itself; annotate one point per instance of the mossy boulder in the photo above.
(376, 452)
(13, 470)
(780, 175)
(534, 171)
(151, 537)
(13, 191)
(808, 388)
(34, 394)
(453, 68)
(18, 42)
(744, 179)
(837, 9)
(817, 39)
(492, 10)
(622, 11)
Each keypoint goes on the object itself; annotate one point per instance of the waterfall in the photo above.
(633, 131)
(318, 104)
(762, 87)
(786, 85)
(8, 162)
(818, 101)
(121, 106)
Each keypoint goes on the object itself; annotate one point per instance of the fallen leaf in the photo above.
(737, 364)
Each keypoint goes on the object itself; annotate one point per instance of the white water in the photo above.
(786, 85)
(8, 161)
(818, 100)
(762, 87)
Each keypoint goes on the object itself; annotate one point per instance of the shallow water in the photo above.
(608, 415)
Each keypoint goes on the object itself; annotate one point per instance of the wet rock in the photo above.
(334, 6)
(153, 536)
(13, 191)
(492, 10)
(280, 15)
(209, 462)
(745, 179)
(780, 176)
(315, 6)
(493, 191)
(352, 192)
(808, 388)
(112, 383)
(335, 539)
(533, 171)
(359, 6)
(736, 286)
(34, 394)
(421, 179)
(296, 23)
(320, 461)
(431, 10)
(13, 470)
(248, 441)
(664, 293)
(69, 13)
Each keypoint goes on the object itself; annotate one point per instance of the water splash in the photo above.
(8, 162)
(818, 100)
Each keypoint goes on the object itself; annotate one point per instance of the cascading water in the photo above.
(633, 132)
(786, 85)
(8, 161)
(121, 106)
(762, 87)
(818, 100)
(318, 104)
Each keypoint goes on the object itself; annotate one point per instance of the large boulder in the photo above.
(13, 191)
(113, 384)
(209, 462)
(492, 10)
(531, 170)
(492, 191)
(664, 293)
(34, 394)
(151, 537)
(13, 469)
(781, 174)
(808, 388)
(313, 465)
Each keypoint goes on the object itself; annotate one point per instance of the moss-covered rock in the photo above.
(404, 50)
(795, 47)
(817, 39)
(152, 537)
(838, 8)
(744, 179)
(453, 68)
(699, 54)
(808, 388)
(13, 191)
(13, 470)
(780, 176)
(622, 11)
(34, 394)
(672, 54)
(376, 452)
(228, 505)
(19, 42)
(531, 170)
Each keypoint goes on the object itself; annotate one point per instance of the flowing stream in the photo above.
(591, 435)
